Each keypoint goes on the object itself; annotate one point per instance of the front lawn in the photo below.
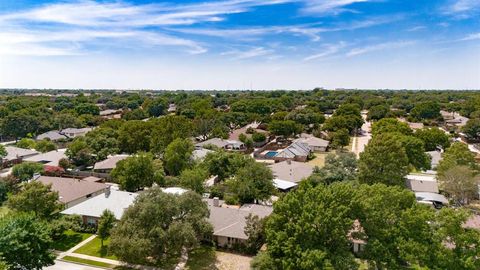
(94, 248)
(88, 262)
(69, 240)
(201, 258)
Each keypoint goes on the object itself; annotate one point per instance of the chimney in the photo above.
(216, 202)
(289, 161)
(107, 192)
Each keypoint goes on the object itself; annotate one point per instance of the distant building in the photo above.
(73, 191)
(51, 158)
(76, 132)
(200, 153)
(53, 135)
(111, 114)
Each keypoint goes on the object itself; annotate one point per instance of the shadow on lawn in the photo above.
(202, 258)
(67, 241)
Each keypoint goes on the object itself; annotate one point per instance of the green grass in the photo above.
(69, 240)
(95, 248)
(89, 262)
(202, 258)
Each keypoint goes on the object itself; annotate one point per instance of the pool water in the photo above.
(271, 154)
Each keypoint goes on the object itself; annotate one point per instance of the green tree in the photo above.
(3, 152)
(309, 229)
(457, 154)
(460, 182)
(340, 138)
(383, 161)
(259, 137)
(415, 150)
(35, 198)
(105, 224)
(45, 145)
(255, 231)
(338, 167)
(390, 125)
(158, 226)
(25, 243)
(157, 107)
(26, 170)
(287, 128)
(19, 124)
(87, 108)
(26, 143)
(167, 129)
(254, 182)
(177, 156)
(472, 129)
(433, 138)
(103, 141)
(79, 152)
(377, 112)
(426, 110)
(194, 179)
(136, 172)
(225, 164)
(134, 136)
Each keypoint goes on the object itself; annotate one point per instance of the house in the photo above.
(291, 171)
(229, 221)
(453, 119)
(51, 158)
(107, 165)
(235, 134)
(316, 144)
(422, 183)
(75, 132)
(91, 209)
(73, 191)
(221, 143)
(16, 155)
(434, 199)
(284, 186)
(111, 114)
(297, 151)
(200, 154)
(53, 135)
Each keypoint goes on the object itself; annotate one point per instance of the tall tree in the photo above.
(390, 125)
(177, 156)
(25, 171)
(340, 138)
(35, 198)
(255, 231)
(472, 129)
(254, 182)
(426, 110)
(433, 138)
(105, 224)
(136, 172)
(158, 226)
(457, 154)
(460, 182)
(168, 128)
(383, 161)
(194, 179)
(338, 167)
(25, 243)
(134, 136)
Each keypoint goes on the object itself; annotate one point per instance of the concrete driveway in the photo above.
(61, 265)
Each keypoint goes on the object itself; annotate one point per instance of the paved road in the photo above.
(61, 265)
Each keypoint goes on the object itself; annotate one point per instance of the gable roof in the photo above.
(70, 189)
(17, 152)
(230, 221)
(291, 171)
(76, 130)
(117, 201)
(109, 163)
(49, 158)
(53, 135)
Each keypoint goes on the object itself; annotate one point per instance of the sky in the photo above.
(240, 44)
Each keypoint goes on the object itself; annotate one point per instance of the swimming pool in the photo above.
(271, 154)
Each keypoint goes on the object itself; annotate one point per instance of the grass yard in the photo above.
(201, 258)
(94, 248)
(88, 262)
(69, 240)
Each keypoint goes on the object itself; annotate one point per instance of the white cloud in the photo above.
(328, 50)
(326, 7)
(473, 36)
(250, 53)
(416, 28)
(379, 47)
(462, 9)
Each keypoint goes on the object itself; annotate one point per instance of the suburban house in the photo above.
(53, 135)
(111, 114)
(453, 119)
(229, 221)
(425, 187)
(221, 143)
(235, 134)
(284, 186)
(107, 165)
(91, 209)
(16, 155)
(291, 171)
(200, 153)
(51, 158)
(316, 144)
(73, 191)
(297, 151)
(75, 132)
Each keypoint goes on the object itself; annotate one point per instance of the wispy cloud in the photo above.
(473, 36)
(462, 9)
(416, 28)
(380, 47)
(325, 7)
(250, 53)
(328, 50)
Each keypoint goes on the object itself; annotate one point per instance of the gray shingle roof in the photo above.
(16, 152)
(292, 171)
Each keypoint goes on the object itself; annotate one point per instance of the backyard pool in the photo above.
(271, 154)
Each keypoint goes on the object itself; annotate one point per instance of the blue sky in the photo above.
(240, 44)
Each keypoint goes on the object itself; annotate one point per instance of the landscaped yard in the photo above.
(95, 248)
(69, 240)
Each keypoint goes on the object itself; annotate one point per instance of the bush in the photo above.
(232, 200)
(258, 137)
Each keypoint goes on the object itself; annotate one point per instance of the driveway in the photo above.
(61, 265)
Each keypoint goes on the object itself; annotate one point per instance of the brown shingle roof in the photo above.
(70, 189)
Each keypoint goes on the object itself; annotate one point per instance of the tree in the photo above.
(251, 183)
(105, 224)
(134, 136)
(79, 152)
(45, 145)
(309, 229)
(26, 143)
(472, 129)
(25, 243)
(415, 150)
(177, 156)
(158, 226)
(390, 125)
(194, 179)
(157, 107)
(340, 138)
(285, 128)
(87, 108)
(338, 167)
(64, 163)
(3, 152)
(168, 128)
(19, 124)
(383, 161)
(460, 182)
(255, 231)
(103, 141)
(226, 164)
(377, 112)
(259, 137)
(26, 170)
(35, 198)
(426, 110)
(457, 154)
(136, 172)
(433, 138)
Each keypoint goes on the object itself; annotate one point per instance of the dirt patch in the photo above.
(229, 261)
